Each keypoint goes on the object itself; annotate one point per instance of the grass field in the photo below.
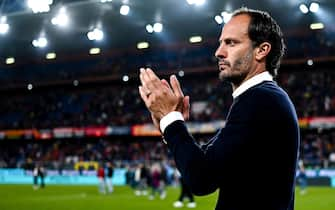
(23, 197)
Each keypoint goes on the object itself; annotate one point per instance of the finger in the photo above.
(145, 90)
(142, 73)
(152, 82)
(151, 74)
(145, 80)
(176, 86)
(186, 107)
(165, 83)
(144, 87)
(143, 95)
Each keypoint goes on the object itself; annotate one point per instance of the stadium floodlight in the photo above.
(125, 78)
(303, 8)
(190, 2)
(75, 83)
(50, 56)
(94, 51)
(142, 45)
(195, 39)
(39, 6)
(181, 73)
(95, 34)
(158, 27)
(3, 19)
(4, 27)
(314, 7)
(196, 2)
(61, 19)
(149, 28)
(226, 16)
(30, 86)
(218, 19)
(40, 42)
(124, 9)
(10, 60)
(316, 26)
(310, 62)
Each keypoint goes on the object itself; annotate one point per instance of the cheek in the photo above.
(243, 62)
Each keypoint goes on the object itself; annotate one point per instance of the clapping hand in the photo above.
(160, 97)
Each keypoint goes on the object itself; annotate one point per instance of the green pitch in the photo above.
(23, 197)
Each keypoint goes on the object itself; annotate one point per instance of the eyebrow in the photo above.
(228, 39)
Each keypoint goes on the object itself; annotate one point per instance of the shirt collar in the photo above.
(253, 81)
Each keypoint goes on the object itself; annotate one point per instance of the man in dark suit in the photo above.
(253, 159)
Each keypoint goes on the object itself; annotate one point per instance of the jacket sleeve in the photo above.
(204, 167)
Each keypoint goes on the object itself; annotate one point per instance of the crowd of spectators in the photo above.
(313, 94)
(317, 151)
(64, 154)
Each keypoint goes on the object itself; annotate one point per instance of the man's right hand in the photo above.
(183, 107)
(160, 97)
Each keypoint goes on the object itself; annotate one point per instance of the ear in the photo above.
(262, 50)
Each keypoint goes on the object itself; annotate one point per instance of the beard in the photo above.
(237, 72)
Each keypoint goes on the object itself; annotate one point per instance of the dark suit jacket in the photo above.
(252, 160)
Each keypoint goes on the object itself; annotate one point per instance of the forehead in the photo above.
(236, 27)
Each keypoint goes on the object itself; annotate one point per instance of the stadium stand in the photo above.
(100, 98)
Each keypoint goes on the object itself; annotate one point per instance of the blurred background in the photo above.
(69, 91)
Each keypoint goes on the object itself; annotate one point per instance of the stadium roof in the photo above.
(180, 21)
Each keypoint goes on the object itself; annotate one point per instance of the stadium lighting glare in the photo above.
(125, 78)
(4, 27)
(149, 28)
(124, 10)
(226, 16)
(142, 45)
(75, 83)
(196, 2)
(50, 56)
(3, 19)
(61, 19)
(303, 8)
(195, 39)
(158, 27)
(96, 34)
(310, 62)
(29, 86)
(316, 26)
(10, 60)
(40, 42)
(218, 19)
(314, 7)
(104, 1)
(39, 6)
(94, 51)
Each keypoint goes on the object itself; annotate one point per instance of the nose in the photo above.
(221, 52)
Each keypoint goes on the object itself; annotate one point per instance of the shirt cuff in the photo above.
(170, 118)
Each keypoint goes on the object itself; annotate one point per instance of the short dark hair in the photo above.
(263, 28)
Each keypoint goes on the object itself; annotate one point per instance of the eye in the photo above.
(230, 42)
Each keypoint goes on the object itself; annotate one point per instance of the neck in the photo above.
(257, 70)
